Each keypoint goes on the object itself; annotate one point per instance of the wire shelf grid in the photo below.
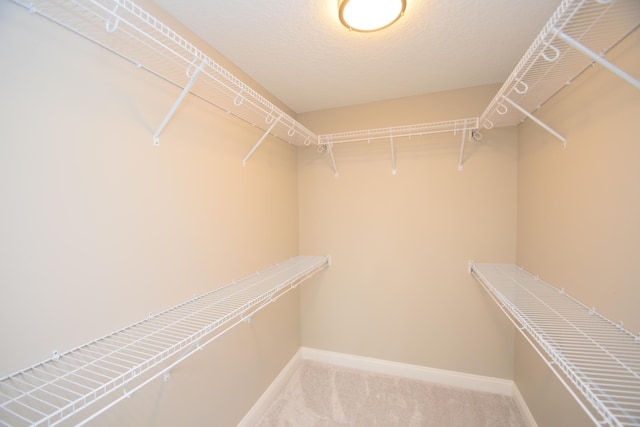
(129, 31)
(551, 63)
(56, 389)
(421, 129)
(598, 357)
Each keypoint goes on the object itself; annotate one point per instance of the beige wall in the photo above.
(578, 212)
(398, 288)
(98, 227)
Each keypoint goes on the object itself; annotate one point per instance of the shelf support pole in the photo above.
(257, 144)
(174, 107)
(333, 159)
(539, 122)
(464, 137)
(597, 58)
(393, 155)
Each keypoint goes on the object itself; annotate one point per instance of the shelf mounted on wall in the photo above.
(82, 383)
(597, 360)
(467, 127)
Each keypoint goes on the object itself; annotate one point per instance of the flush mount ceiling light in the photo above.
(370, 15)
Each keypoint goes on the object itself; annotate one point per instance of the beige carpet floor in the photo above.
(321, 395)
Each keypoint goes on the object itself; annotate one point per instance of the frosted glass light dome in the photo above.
(370, 15)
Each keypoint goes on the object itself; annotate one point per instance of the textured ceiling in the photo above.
(299, 51)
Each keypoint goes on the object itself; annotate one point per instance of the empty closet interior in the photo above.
(172, 235)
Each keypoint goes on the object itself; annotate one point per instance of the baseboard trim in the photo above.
(258, 410)
(422, 373)
(522, 405)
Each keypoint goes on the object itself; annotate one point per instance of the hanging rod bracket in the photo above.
(273, 122)
(176, 104)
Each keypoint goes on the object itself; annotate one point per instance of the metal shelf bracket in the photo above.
(538, 122)
(333, 159)
(393, 154)
(193, 75)
(464, 136)
(274, 122)
(597, 58)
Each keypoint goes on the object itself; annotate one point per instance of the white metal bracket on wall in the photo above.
(393, 155)
(333, 159)
(461, 159)
(537, 121)
(598, 58)
(192, 75)
(273, 122)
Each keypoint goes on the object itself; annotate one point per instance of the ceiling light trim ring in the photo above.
(344, 22)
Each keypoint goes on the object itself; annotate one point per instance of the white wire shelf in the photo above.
(552, 61)
(421, 129)
(467, 127)
(129, 31)
(597, 360)
(579, 33)
(86, 381)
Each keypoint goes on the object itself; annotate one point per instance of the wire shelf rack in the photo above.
(579, 33)
(84, 382)
(452, 126)
(555, 60)
(597, 360)
(467, 127)
(132, 33)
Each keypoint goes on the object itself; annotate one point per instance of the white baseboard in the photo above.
(258, 410)
(422, 373)
(522, 405)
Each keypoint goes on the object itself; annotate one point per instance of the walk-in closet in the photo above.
(268, 213)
